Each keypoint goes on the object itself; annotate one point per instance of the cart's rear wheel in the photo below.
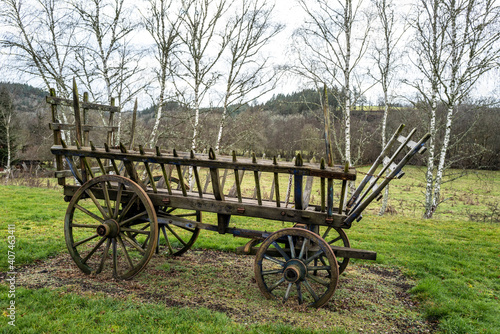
(336, 236)
(111, 221)
(175, 239)
(284, 267)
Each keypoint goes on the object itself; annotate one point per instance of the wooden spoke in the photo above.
(91, 214)
(84, 225)
(134, 244)
(176, 235)
(269, 272)
(131, 264)
(115, 257)
(302, 249)
(281, 251)
(300, 298)
(137, 216)
(126, 229)
(104, 255)
(287, 293)
(318, 280)
(93, 250)
(118, 200)
(272, 259)
(128, 206)
(97, 204)
(106, 198)
(310, 289)
(292, 246)
(76, 244)
(275, 285)
(170, 249)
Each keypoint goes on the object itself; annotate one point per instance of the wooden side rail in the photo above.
(147, 162)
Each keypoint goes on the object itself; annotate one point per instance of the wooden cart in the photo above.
(127, 204)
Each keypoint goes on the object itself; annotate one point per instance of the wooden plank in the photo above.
(129, 167)
(85, 127)
(166, 176)
(148, 171)
(197, 178)
(322, 188)
(218, 192)
(68, 173)
(181, 184)
(276, 184)
(297, 185)
(110, 138)
(58, 101)
(57, 139)
(78, 128)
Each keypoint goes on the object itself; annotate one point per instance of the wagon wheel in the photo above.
(335, 236)
(175, 240)
(284, 266)
(97, 230)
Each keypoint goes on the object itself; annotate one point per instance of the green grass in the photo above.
(46, 311)
(455, 261)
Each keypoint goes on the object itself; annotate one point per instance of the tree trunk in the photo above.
(429, 203)
(385, 200)
(221, 128)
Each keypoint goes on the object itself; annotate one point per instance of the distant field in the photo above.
(450, 262)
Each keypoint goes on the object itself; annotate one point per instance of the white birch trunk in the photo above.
(154, 132)
(7, 133)
(429, 209)
(221, 128)
(385, 200)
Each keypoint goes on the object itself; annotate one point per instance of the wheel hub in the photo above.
(110, 228)
(295, 271)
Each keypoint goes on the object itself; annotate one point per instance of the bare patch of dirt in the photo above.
(368, 299)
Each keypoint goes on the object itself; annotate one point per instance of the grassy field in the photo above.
(451, 264)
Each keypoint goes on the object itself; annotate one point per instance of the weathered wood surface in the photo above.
(201, 160)
(230, 207)
(58, 101)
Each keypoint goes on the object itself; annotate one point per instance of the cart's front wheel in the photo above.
(285, 267)
(111, 221)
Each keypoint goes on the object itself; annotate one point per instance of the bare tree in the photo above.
(6, 124)
(464, 39)
(202, 45)
(106, 60)
(163, 29)
(248, 75)
(386, 55)
(40, 37)
(335, 39)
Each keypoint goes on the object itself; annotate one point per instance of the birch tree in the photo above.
(249, 74)
(6, 124)
(335, 39)
(106, 59)
(39, 36)
(202, 45)
(162, 26)
(464, 47)
(386, 55)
